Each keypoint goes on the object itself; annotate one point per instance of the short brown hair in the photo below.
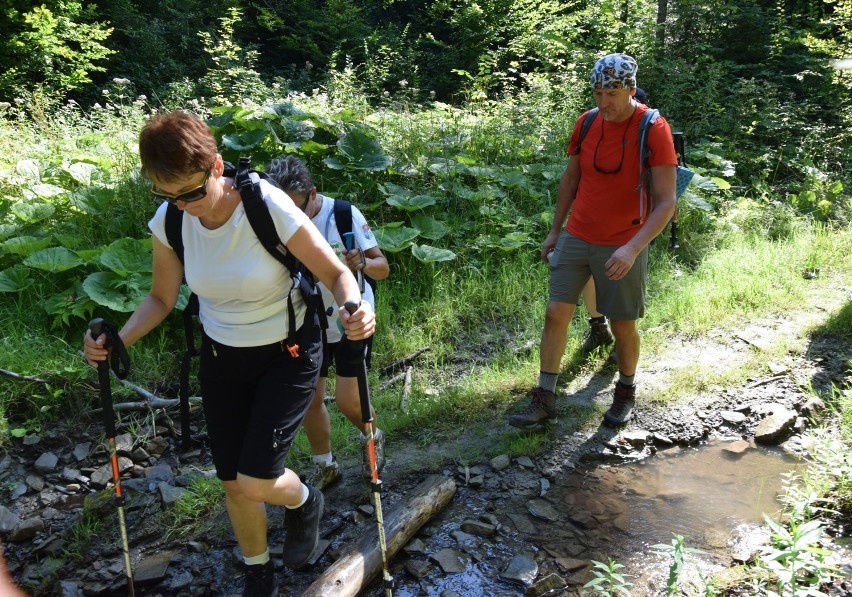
(176, 144)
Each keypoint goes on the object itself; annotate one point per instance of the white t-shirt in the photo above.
(242, 289)
(364, 239)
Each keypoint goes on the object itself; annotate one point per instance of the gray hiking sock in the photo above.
(626, 380)
(547, 381)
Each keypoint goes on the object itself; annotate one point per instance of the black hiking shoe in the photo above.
(541, 410)
(302, 526)
(598, 334)
(260, 581)
(621, 411)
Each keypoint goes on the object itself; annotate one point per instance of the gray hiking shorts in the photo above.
(574, 260)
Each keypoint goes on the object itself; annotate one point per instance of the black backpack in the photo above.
(343, 219)
(248, 183)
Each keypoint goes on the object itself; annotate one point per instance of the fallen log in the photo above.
(20, 377)
(361, 561)
(406, 390)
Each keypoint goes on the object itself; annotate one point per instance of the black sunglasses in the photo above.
(187, 197)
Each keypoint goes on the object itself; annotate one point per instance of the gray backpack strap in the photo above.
(648, 119)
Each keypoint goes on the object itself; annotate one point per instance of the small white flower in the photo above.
(105, 91)
(19, 100)
(5, 105)
(432, 94)
(403, 83)
(386, 94)
(121, 81)
(97, 106)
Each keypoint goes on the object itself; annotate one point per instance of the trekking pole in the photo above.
(375, 482)
(120, 364)
(680, 150)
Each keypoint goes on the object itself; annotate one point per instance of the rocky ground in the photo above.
(504, 532)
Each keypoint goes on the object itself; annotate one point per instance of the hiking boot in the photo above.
(624, 398)
(379, 439)
(326, 475)
(260, 580)
(302, 526)
(598, 334)
(541, 410)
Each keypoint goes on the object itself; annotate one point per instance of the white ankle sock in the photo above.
(305, 493)
(254, 560)
(323, 459)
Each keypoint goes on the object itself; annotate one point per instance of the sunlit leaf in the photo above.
(112, 291)
(82, 172)
(53, 260)
(33, 212)
(24, 245)
(92, 200)
(389, 188)
(244, 140)
(431, 254)
(334, 162)
(411, 203)
(7, 230)
(15, 279)
(512, 178)
(48, 190)
(28, 169)
(395, 239)
(429, 227)
(126, 255)
(362, 152)
(721, 183)
(511, 242)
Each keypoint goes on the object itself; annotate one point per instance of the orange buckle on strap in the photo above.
(293, 349)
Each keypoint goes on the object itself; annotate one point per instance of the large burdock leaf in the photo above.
(15, 279)
(115, 292)
(82, 172)
(92, 200)
(362, 152)
(411, 203)
(48, 190)
(53, 260)
(127, 255)
(31, 211)
(429, 254)
(244, 140)
(429, 227)
(28, 169)
(25, 245)
(395, 239)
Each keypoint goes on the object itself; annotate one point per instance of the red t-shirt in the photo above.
(607, 205)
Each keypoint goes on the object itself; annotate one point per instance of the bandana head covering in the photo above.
(614, 71)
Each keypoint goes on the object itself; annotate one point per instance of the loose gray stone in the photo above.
(103, 476)
(26, 530)
(475, 527)
(35, 482)
(366, 509)
(521, 569)
(813, 407)
(543, 486)
(773, 427)
(153, 569)
(542, 509)
(464, 540)
(81, 450)
(419, 568)
(124, 444)
(551, 582)
(159, 473)
(451, 560)
(415, 546)
(637, 438)
(69, 588)
(19, 489)
(476, 481)
(8, 520)
(47, 462)
(571, 564)
(32, 439)
(733, 417)
(736, 448)
(501, 462)
(169, 494)
(525, 462)
(70, 474)
(522, 523)
(140, 456)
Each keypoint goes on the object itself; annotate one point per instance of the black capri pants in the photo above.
(255, 399)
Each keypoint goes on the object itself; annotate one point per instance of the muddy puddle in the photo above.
(712, 496)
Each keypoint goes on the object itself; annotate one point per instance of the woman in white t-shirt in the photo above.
(364, 258)
(255, 391)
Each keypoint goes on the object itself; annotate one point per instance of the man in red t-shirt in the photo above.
(607, 234)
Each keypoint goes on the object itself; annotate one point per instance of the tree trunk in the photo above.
(361, 562)
(662, 15)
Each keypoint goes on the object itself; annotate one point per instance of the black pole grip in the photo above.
(363, 387)
(96, 328)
